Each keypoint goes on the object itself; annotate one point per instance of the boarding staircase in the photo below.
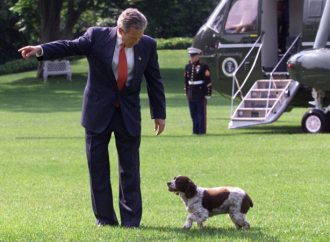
(264, 103)
(266, 100)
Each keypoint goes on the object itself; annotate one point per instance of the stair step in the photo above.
(274, 80)
(267, 89)
(264, 84)
(260, 99)
(247, 119)
(265, 93)
(259, 103)
(278, 74)
(247, 108)
(251, 112)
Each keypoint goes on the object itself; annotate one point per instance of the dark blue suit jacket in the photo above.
(101, 90)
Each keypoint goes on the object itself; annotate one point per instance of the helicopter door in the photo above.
(281, 22)
(313, 10)
(282, 25)
(269, 53)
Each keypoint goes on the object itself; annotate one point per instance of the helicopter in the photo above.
(263, 51)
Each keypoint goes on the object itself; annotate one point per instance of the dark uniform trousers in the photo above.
(130, 202)
(198, 116)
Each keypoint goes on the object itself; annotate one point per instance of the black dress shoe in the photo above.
(102, 223)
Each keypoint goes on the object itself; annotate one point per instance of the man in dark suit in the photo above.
(118, 58)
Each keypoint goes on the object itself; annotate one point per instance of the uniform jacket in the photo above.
(196, 73)
(101, 92)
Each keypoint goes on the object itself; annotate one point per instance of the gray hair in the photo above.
(132, 18)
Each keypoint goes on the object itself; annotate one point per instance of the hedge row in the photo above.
(21, 65)
(174, 43)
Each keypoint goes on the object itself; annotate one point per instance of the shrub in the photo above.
(174, 43)
(19, 65)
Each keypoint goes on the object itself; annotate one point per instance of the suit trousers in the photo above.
(130, 201)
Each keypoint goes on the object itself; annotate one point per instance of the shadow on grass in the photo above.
(34, 95)
(271, 129)
(58, 95)
(213, 233)
(274, 130)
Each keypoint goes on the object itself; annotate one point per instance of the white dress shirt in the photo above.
(129, 56)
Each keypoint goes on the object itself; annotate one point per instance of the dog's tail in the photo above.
(246, 204)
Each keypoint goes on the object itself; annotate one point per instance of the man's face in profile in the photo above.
(131, 37)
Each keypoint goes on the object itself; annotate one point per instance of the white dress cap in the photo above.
(193, 50)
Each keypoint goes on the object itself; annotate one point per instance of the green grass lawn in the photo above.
(44, 186)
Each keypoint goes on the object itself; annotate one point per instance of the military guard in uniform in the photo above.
(198, 88)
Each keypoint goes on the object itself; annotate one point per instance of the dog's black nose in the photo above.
(168, 183)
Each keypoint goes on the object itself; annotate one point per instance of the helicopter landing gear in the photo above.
(317, 119)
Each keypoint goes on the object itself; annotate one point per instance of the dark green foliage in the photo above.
(10, 35)
(174, 43)
(168, 18)
(19, 65)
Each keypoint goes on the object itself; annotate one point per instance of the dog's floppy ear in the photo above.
(191, 190)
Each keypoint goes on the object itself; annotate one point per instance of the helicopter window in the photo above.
(315, 9)
(242, 16)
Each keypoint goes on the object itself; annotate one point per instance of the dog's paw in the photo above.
(243, 227)
(246, 226)
(186, 226)
(200, 225)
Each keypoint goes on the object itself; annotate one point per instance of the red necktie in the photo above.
(122, 68)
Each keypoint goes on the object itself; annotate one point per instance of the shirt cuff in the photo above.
(42, 52)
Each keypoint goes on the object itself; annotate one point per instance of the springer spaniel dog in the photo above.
(202, 203)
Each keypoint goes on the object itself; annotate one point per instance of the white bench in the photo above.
(57, 67)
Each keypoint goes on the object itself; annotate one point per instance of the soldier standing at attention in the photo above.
(198, 89)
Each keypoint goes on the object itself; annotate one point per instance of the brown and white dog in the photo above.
(202, 203)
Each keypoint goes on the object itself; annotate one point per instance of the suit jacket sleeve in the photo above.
(155, 86)
(63, 48)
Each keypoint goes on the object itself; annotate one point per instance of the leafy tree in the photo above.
(65, 19)
(28, 22)
(10, 37)
(171, 18)
(58, 19)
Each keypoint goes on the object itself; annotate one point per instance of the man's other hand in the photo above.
(159, 126)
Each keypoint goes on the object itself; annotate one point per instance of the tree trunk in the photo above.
(72, 17)
(50, 16)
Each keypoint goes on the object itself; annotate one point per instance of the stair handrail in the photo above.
(271, 80)
(235, 80)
